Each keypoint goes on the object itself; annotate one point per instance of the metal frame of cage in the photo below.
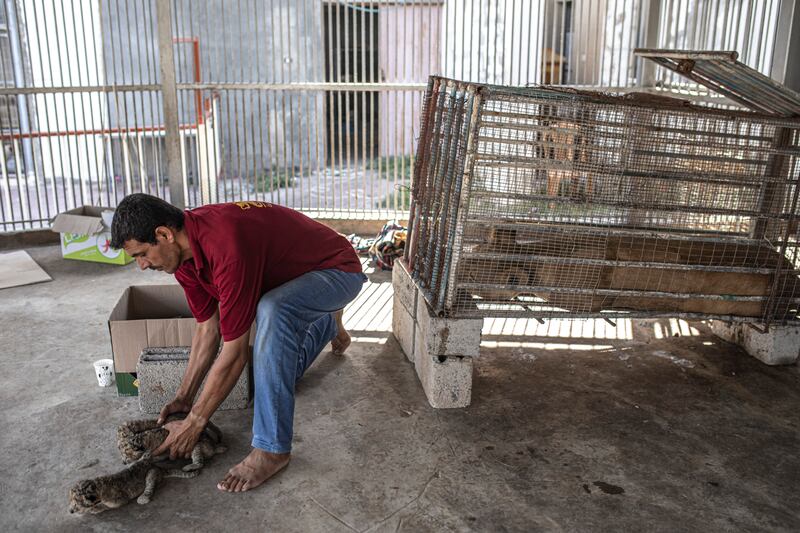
(544, 202)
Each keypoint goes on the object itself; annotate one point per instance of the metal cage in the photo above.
(544, 202)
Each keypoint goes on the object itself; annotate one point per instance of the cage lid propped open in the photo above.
(723, 74)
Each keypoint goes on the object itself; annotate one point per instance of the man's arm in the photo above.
(223, 375)
(205, 344)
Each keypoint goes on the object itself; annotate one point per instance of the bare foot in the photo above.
(342, 340)
(254, 470)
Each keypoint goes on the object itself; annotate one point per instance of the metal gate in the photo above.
(314, 104)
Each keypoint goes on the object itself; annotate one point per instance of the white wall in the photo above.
(493, 41)
(619, 37)
(408, 52)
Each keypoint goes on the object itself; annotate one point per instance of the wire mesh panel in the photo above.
(547, 202)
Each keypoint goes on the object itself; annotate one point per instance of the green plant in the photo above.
(390, 166)
(269, 180)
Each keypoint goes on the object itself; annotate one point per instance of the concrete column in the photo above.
(172, 140)
(785, 66)
(651, 18)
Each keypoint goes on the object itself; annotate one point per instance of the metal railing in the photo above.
(314, 104)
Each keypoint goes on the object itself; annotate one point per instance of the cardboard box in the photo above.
(148, 316)
(84, 236)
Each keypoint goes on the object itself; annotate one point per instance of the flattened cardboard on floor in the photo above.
(18, 268)
(148, 316)
(84, 236)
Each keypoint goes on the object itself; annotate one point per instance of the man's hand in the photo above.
(178, 405)
(182, 437)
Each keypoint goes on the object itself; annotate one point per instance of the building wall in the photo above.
(493, 42)
(267, 43)
(409, 52)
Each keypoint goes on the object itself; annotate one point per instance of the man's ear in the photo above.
(165, 233)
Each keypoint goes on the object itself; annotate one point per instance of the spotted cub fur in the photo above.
(136, 437)
(137, 480)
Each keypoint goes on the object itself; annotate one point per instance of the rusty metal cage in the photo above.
(543, 202)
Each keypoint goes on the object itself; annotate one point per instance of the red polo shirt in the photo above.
(241, 250)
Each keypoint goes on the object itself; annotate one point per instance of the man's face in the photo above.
(165, 255)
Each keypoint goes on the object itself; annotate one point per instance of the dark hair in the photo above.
(137, 217)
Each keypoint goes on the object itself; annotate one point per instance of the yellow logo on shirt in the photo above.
(247, 205)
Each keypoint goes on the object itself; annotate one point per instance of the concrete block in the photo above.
(440, 348)
(446, 380)
(160, 371)
(404, 328)
(727, 331)
(778, 346)
(405, 290)
(447, 336)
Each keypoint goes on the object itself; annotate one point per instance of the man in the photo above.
(240, 263)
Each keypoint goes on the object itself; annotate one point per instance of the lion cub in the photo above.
(136, 440)
(137, 480)
(136, 437)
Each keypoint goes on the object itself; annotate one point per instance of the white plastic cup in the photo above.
(104, 370)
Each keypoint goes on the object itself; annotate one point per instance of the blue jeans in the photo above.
(293, 325)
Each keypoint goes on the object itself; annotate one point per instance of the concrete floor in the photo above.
(588, 427)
